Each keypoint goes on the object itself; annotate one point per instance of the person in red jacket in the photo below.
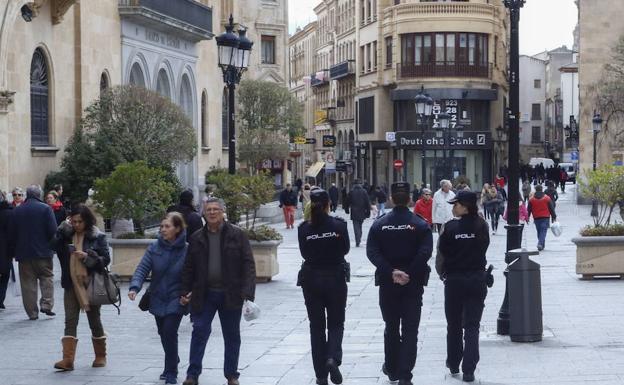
(424, 205)
(542, 209)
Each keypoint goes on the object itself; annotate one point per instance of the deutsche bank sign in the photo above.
(469, 140)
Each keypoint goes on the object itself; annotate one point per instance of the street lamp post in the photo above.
(596, 128)
(424, 108)
(514, 228)
(234, 51)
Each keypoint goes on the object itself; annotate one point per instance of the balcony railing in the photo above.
(417, 8)
(454, 69)
(342, 70)
(316, 81)
(188, 18)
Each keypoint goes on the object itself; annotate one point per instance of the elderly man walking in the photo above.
(218, 275)
(442, 212)
(33, 227)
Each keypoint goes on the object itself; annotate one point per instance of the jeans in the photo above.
(541, 225)
(357, 229)
(401, 308)
(325, 291)
(380, 209)
(494, 215)
(31, 271)
(214, 302)
(72, 315)
(464, 296)
(168, 332)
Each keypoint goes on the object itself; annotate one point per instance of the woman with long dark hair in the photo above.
(324, 242)
(82, 249)
(165, 259)
(460, 262)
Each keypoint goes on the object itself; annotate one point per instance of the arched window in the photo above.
(186, 97)
(136, 75)
(39, 100)
(104, 82)
(204, 119)
(224, 119)
(162, 84)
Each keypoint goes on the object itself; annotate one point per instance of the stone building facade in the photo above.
(374, 56)
(57, 55)
(600, 28)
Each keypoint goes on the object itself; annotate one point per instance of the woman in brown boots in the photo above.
(82, 249)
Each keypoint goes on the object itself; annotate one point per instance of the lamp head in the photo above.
(597, 123)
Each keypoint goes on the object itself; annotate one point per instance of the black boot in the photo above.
(334, 372)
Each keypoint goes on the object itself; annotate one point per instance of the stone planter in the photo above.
(265, 256)
(599, 256)
(127, 254)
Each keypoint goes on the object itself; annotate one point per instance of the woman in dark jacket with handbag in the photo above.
(82, 250)
(165, 259)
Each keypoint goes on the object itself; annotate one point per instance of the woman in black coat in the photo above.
(6, 252)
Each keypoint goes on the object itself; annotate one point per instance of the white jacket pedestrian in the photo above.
(442, 211)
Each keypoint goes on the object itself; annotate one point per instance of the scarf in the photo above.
(56, 206)
(79, 274)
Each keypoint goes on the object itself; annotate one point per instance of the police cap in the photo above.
(319, 195)
(400, 188)
(464, 196)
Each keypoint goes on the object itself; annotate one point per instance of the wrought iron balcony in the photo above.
(443, 69)
(185, 18)
(342, 70)
(317, 81)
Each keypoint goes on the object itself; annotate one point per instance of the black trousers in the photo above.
(325, 294)
(400, 308)
(357, 230)
(464, 294)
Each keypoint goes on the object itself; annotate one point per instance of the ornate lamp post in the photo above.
(234, 51)
(514, 228)
(596, 128)
(424, 107)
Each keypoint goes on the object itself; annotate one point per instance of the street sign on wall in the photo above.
(329, 141)
(477, 140)
(398, 164)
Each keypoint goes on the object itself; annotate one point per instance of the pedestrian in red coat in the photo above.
(424, 206)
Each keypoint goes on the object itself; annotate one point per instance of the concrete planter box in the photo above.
(127, 254)
(599, 256)
(265, 256)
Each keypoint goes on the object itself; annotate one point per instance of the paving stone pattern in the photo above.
(583, 330)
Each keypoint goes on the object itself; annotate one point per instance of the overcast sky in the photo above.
(544, 24)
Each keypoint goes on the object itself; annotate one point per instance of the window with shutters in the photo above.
(39, 100)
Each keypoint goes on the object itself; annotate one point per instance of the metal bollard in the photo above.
(525, 297)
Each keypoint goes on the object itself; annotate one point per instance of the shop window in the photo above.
(39, 101)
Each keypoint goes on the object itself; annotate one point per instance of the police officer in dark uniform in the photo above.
(460, 262)
(324, 242)
(399, 245)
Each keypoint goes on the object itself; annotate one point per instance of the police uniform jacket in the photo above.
(400, 240)
(462, 245)
(324, 245)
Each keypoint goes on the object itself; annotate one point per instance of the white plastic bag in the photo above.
(555, 227)
(14, 280)
(251, 311)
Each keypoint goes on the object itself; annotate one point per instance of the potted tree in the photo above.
(138, 192)
(243, 195)
(600, 248)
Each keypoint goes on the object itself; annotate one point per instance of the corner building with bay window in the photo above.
(456, 53)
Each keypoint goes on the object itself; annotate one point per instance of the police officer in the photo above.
(460, 262)
(324, 242)
(399, 245)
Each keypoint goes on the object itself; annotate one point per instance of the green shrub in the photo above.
(601, 231)
(263, 233)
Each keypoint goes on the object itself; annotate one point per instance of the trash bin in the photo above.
(525, 297)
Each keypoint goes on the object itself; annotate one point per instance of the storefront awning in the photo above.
(315, 169)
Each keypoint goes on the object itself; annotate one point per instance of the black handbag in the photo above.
(144, 302)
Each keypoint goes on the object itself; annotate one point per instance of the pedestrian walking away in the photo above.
(186, 207)
(551, 191)
(164, 259)
(542, 209)
(358, 204)
(6, 248)
(324, 242)
(460, 263)
(563, 178)
(526, 190)
(288, 204)
(33, 228)
(219, 274)
(333, 197)
(82, 250)
(399, 245)
(381, 201)
(441, 212)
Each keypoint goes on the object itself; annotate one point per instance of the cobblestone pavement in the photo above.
(583, 333)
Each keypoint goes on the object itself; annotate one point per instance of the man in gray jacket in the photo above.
(358, 203)
(33, 228)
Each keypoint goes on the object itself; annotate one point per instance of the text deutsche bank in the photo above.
(469, 140)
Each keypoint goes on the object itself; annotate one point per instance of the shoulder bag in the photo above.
(103, 289)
